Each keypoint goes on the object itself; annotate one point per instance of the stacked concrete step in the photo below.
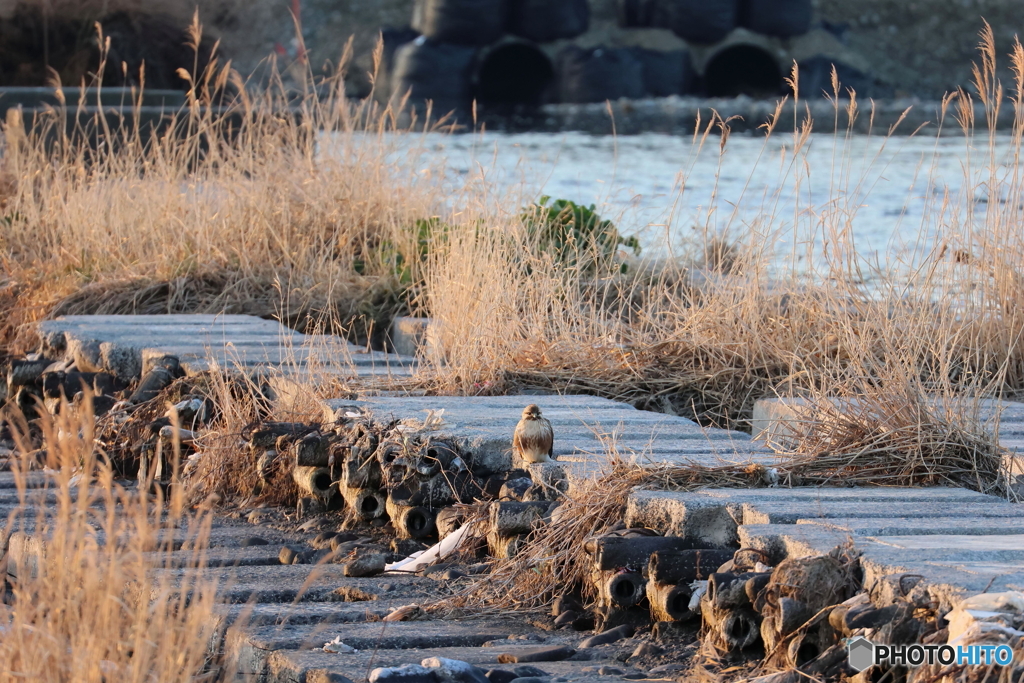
(586, 429)
(121, 343)
(953, 541)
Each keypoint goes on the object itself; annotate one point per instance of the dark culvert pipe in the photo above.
(513, 73)
(742, 69)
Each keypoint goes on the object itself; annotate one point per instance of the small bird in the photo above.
(534, 439)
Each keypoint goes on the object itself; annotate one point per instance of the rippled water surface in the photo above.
(887, 192)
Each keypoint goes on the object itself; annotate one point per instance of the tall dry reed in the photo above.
(88, 604)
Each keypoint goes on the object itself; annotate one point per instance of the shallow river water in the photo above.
(888, 195)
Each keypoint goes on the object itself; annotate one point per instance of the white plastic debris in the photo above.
(452, 670)
(699, 588)
(418, 561)
(987, 612)
(338, 647)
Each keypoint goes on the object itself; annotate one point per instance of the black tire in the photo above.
(599, 74)
(701, 21)
(462, 22)
(641, 14)
(438, 72)
(782, 18)
(546, 20)
(665, 73)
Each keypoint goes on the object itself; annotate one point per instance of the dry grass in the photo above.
(94, 610)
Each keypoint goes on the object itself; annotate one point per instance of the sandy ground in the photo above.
(891, 194)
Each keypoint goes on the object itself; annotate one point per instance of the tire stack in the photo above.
(439, 66)
(705, 22)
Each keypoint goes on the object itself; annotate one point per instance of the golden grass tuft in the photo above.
(93, 609)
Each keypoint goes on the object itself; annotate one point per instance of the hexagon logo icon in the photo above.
(860, 653)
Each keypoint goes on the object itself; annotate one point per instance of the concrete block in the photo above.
(124, 361)
(25, 554)
(709, 521)
(86, 354)
(712, 515)
(781, 541)
(408, 334)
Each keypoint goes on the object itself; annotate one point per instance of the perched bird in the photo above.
(533, 440)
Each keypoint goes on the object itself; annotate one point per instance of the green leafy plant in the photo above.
(575, 235)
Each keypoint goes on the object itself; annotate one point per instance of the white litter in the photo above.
(338, 647)
(435, 553)
(699, 588)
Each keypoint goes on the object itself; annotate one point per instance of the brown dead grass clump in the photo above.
(93, 609)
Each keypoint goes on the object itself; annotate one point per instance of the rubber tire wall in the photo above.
(463, 22)
(700, 21)
(782, 18)
(665, 73)
(599, 74)
(546, 20)
(434, 71)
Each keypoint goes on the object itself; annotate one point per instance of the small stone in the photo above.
(410, 673)
(566, 618)
(252, 541)
(378, 522)
(646, 650)
(566, 603)
(451, 574)
(500, 676)
(287, 556)
(406, 546)
(323, 540)
(387, 587)
(610, 636)
(536, 654)
(366, 564)
(609, 671)
(529, 671)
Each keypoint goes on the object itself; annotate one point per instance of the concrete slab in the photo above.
(947, 574)
(583, 425)
(712, 516)
(249, 646)
(118, 343)
(917, 527)
(791, 513)
(294, 583)
(292, 666)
